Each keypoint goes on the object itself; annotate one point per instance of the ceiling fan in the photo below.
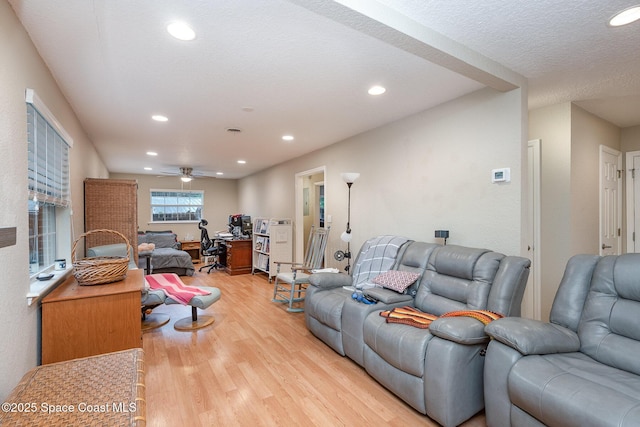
(186, 174)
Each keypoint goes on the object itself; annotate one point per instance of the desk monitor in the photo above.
(240, 225)
(246, 225)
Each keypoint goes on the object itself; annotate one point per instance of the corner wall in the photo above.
(569, 191)
(23, 68)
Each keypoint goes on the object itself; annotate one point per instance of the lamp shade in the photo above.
(350, 177)
(346, 237)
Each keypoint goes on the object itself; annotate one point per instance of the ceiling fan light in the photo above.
(625, 17)
(185, 178)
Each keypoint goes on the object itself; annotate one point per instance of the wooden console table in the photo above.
(80, 321)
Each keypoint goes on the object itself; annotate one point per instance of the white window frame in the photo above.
(177, 206)
(49, 194)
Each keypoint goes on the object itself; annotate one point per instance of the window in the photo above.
(176, 205)
(48, 182)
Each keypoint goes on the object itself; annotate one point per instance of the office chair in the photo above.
(209, 248)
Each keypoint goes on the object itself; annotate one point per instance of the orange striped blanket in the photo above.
(413, 317)
(173, 287)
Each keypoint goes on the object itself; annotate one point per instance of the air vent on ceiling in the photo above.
(236, 130)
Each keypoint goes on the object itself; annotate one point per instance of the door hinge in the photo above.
(619, 173)
(618, 232)
(633, 236)
(633, 174)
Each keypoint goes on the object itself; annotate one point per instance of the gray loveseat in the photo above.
(439, 370)
(583, 367)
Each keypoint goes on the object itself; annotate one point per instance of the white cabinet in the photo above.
(272, 241)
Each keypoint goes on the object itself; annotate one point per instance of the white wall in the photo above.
(220, 201)
(630, 139)
(588, 132)
(23, 68)
(426, 172)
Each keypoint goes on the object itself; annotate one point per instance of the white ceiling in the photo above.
(303, 67)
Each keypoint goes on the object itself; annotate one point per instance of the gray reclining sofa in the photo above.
(439, 370)
(583, 367)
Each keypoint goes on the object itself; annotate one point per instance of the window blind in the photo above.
(48, 157)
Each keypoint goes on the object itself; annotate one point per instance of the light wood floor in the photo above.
(258, 365)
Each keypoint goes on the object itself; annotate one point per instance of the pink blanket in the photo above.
(173, 287)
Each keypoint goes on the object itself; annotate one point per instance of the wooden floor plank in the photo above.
(258, 365)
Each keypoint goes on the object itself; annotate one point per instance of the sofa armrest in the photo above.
(330, 280)
(387, 296)
(461, 330)
(532, 336)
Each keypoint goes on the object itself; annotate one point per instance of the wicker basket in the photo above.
(101, 269)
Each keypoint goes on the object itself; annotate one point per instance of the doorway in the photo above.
(310, 201)
(610, 201)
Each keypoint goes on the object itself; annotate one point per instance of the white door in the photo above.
(610, 201)
(633, 201)
(531, 299)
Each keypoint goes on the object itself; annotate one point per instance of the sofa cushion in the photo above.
(396, 280)
(401, 346)
(326, 307)
(571, 389)
(457, 278)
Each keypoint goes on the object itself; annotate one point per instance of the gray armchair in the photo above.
(580, 369)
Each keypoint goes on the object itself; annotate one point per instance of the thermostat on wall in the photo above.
(501, 175)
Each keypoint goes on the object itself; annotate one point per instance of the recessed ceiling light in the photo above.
(219, 173)
(377, 90)
(148, 168)
(288, 138)
(160, 118)
(151, 153)
(242, 162)
(181, 31)
(625, 17)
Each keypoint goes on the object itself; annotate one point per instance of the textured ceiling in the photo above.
(302, 67)
(564, 48)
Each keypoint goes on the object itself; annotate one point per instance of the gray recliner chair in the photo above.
(439, 370)
(582, 368)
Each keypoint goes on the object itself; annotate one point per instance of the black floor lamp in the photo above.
(349, 178)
